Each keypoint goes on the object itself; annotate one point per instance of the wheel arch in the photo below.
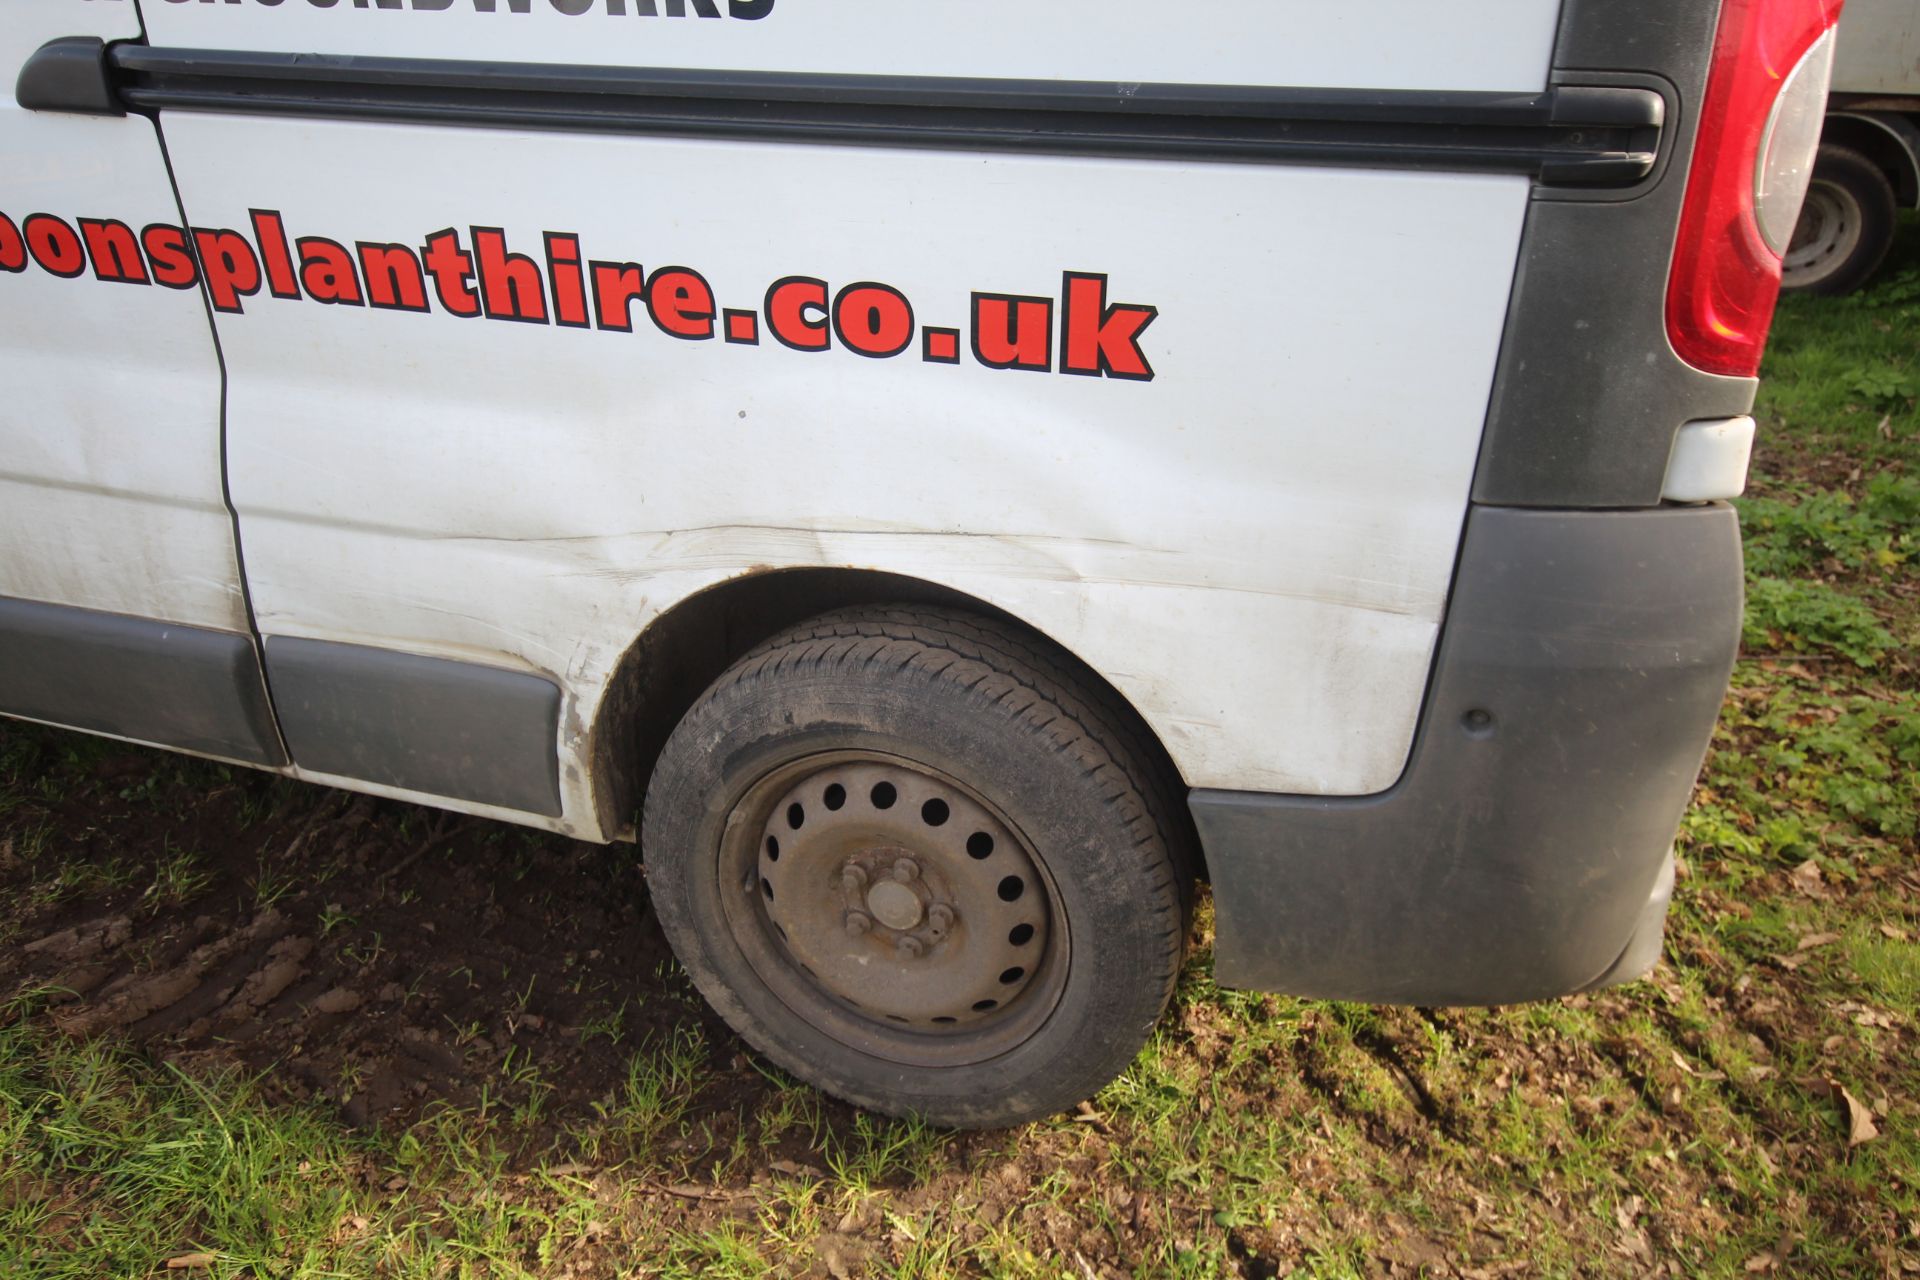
(684, 649)
(1891, 142)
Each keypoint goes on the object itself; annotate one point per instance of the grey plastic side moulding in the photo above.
(421, 724)
(187, 687)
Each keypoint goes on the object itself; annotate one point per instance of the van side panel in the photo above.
(1253, 542)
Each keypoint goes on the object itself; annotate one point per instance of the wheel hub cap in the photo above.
(894, 905)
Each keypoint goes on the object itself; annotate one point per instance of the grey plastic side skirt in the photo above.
(1580, 672)
(187, 687)
(431, 725)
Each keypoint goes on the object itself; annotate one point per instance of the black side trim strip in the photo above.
(1566, 134)
(159, 682)
(422, 724)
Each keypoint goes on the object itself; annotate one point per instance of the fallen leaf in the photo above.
(1768, 1259)
(1808, 880)
(1813, 940)
(191, 1262)
(694, 1191)
(1860, 1125)
(1865, 1015)
(842, 1256)
(1633, 1241)
(794, 1169)
(1895, 932)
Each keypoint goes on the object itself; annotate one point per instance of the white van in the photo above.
(943, 476)
(1869, 163)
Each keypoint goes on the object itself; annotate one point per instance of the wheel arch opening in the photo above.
(1876, 141)
(674, 660)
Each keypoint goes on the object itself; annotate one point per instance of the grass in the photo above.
(1697, 1122)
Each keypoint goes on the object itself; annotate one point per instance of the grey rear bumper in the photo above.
(1525, 851)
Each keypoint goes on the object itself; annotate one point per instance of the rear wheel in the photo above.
(1846, 225)
(913, 860)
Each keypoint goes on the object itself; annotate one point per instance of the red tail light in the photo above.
(1755, 143)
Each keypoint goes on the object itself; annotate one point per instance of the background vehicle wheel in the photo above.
(1845, 228)
(914, 861)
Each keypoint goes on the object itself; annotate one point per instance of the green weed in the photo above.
(1811, 617)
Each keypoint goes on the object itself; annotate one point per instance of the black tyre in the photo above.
(914, 861)
(1845, 228)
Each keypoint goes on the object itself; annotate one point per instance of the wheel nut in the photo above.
(908, 945)
(940, 917)
(853, 878)
(905, 869)
(857, 924)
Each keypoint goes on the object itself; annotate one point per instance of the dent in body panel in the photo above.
(632, 557)
(1082, 595)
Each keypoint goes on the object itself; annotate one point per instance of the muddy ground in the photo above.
(363, 951)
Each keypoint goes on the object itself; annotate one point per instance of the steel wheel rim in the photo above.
(957, 957)
(1830, 225)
